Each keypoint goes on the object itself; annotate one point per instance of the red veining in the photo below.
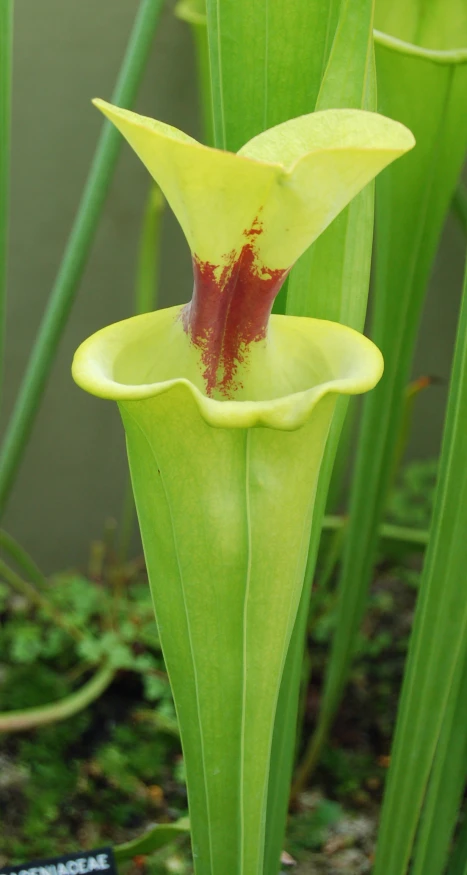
(229, 310)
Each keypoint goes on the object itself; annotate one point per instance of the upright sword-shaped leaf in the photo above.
(435, 675)
(426, 88)
(330, 281)
(267, 61)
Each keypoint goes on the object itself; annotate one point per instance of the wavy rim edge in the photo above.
(171, 133)
(437, 56)
(287, 412)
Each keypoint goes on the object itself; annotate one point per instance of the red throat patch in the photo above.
(229, 310)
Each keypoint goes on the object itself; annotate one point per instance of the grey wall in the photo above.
(65, 53)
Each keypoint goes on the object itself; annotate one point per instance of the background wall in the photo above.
(74, 472)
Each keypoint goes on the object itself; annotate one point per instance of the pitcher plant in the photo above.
(226, 411)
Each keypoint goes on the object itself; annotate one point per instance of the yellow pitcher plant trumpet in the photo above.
(226, 411)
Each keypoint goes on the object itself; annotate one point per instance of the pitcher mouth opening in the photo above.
(299, 362)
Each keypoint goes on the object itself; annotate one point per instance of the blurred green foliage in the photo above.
(91, 778)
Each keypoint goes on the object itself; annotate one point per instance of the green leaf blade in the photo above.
(153, 840)
(412, 201)
(439, 639)
(330, 281)
(266, 67)
(446, 785)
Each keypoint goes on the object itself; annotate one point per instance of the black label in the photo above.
(78, 863)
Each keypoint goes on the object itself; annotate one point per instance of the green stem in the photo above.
(194, 13)
(76, 253)
(147, 271)
(411, 394)
(309, 761)
(6, 46)
(127, 523)
(37, 598)
(19, 721)
(415, 538)
(459, 203)
(332, 556)
(22, 559)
